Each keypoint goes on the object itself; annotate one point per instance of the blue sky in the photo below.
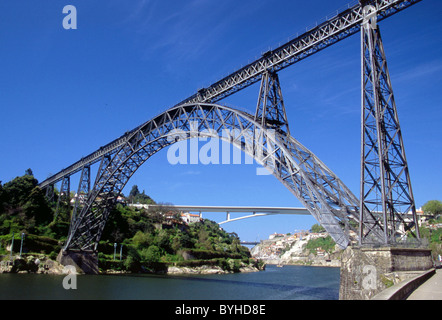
(65, 93)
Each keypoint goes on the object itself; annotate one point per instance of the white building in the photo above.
(190, 218)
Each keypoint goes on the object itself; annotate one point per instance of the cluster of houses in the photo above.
(435, 226)
(278, 243)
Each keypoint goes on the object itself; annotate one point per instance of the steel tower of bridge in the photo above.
(386, 195)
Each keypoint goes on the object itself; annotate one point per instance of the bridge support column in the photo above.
(270, 111)
(49, 192)
(83, 261)
(386, 193)
(365, 272)
(64, 196)
(83, 190)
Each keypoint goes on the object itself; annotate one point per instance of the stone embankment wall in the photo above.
(365, 272)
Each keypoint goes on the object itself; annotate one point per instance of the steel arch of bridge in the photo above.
(316, 186)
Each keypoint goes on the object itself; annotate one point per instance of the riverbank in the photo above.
(41, 264)
(197, 270)
(205, 269)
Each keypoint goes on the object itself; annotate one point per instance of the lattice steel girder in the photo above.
(83, 190)
(386, 192)
(270, 110)
(64, 196)
(335, 29)
(319, 189)
(50, 192)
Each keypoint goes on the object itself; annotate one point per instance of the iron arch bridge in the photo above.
(316, 186)
(385, 198)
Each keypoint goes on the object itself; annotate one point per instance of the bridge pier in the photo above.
(83, 261)
(365, 272)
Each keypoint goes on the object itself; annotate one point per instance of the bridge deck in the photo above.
(233, 209)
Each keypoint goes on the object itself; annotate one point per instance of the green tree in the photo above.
(133, 193)
(203, 239)
(135, 196)
(180, 240)
(16, 192)
(433, 207)
(133, 260)
(143, 198)
(142, 240)
(153, 254)
(117, 227)
(37, 207)
(317, 228)
(24, 205)
(326, 244)
(2, 193)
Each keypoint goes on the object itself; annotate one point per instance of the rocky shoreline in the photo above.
(332, 263)
(199, 270)
(208, 270)
(40, 264)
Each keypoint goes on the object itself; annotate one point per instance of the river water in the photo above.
(286, 283)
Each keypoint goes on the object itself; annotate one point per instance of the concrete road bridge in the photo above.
(228, 210)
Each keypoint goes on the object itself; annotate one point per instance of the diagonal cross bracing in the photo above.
(386, 193)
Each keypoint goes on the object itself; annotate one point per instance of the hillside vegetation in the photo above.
(135, 240)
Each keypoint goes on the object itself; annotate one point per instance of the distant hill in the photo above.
(315, 249)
